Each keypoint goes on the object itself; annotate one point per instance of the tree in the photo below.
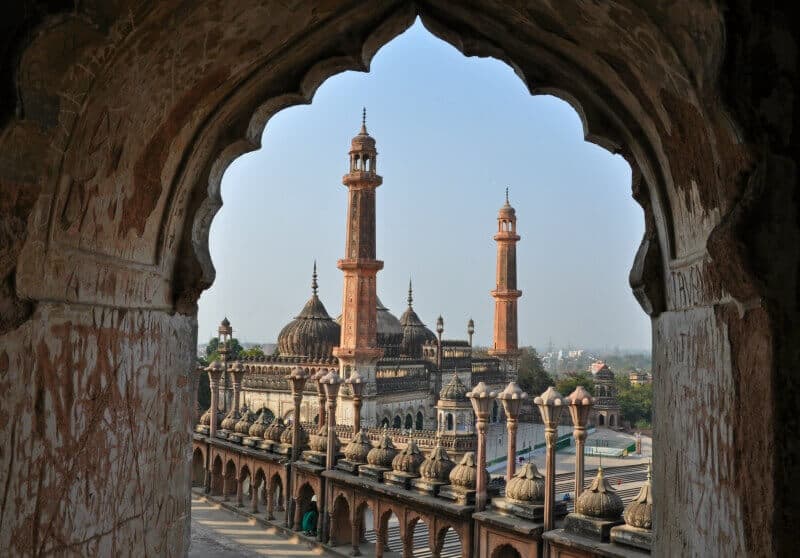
(253, 352)
(635, 402)
(568, 382)
(212, 349)
(531, 375)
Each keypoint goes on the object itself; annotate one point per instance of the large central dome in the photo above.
(312, 333)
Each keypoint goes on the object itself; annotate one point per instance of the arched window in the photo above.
(601, 420)
(385, 423)
(398, 422)
(409, 424)
(420, 420)
(449, 421)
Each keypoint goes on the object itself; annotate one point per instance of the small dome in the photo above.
(358, 448)
(319, 441)
(261, 424)
(415, 334)
(383, 454)
(244, 423)
(205, 418)
(408, 460)
(639, 513)
(506, 211)
(275, 430)
(455, 390)
(527, 485)
(230, 420)
(464, 474)
(286, 436)
(437, 465)
(312, 333)
(225, 322)
(599, 500)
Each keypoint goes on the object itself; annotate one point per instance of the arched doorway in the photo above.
(397, 422)
(420, 421)
(341, 527)
(506, 551)
(306, 500)
(409, 422)
(217, 481)
(198, 468)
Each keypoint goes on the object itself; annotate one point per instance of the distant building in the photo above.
(640, 378)
(606, 406)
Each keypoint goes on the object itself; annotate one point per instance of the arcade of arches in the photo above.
(119, 119)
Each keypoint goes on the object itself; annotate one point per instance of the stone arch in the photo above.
(366, 520)
(417, 534)
(230, 479)
(601, 419)
(306, 499)
(447, 537)
(692, 167)
(198, 467)
(507, 550)
(341, 526)
(419, 421)
(408, 423)
(391, 530)
(397, 422)
(275, 497)
(385, 422)
(217, 482)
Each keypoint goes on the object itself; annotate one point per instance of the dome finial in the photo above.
(410, 293)
(314, 280)
(507, 196)
(364, 120)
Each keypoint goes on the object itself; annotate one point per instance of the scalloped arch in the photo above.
(605, 123)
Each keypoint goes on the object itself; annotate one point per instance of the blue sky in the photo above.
(452, 132)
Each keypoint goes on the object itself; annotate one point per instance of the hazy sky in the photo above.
(452, 132)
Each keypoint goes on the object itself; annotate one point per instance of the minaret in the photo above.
(506, 294)
(358, 348)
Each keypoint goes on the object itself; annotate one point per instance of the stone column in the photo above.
(270, 502)
(297, 381)
(580, 405)
(511, 427)
(481, 398)
(253, 498)
(380, 542)
(331, 383)
(550, 404)
(298, 519)
(237, 372)
(214, 374)
(355, 536)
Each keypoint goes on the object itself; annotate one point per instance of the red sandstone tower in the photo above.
(506, 293)
(358, 348)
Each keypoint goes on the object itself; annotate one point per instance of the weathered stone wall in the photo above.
(96, 406)
(124, 118)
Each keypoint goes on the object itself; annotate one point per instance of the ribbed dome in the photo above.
(245, 422)
(599, 500)
(275, 430)
(506, 212)
(312, 333)
(527, 485)
(415, 334)
(261, 424)
(358, 448)
(639, 513)
(319, 441)
(437, 465)
(382, 455)
(286, 437)
(455, 390)
(205, 418)
(389, 330)
(464, 474)
(230, 420)
(408, 460)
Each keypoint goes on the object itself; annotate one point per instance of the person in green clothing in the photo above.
(309, 524)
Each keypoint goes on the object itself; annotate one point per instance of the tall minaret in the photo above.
(358, 348)
(506, 294)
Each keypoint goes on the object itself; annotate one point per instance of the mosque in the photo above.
(404, 364)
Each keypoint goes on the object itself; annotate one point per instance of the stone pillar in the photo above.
(355, 535)
(270, 502)
(237, 373)
(580, 405)
(380, 542)
(550, 404)
(298, 518)
(297, 381)
(511, 427)
(214, 374)
(253, 498)
(480, 481)
(356, 414)
(331, 383)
